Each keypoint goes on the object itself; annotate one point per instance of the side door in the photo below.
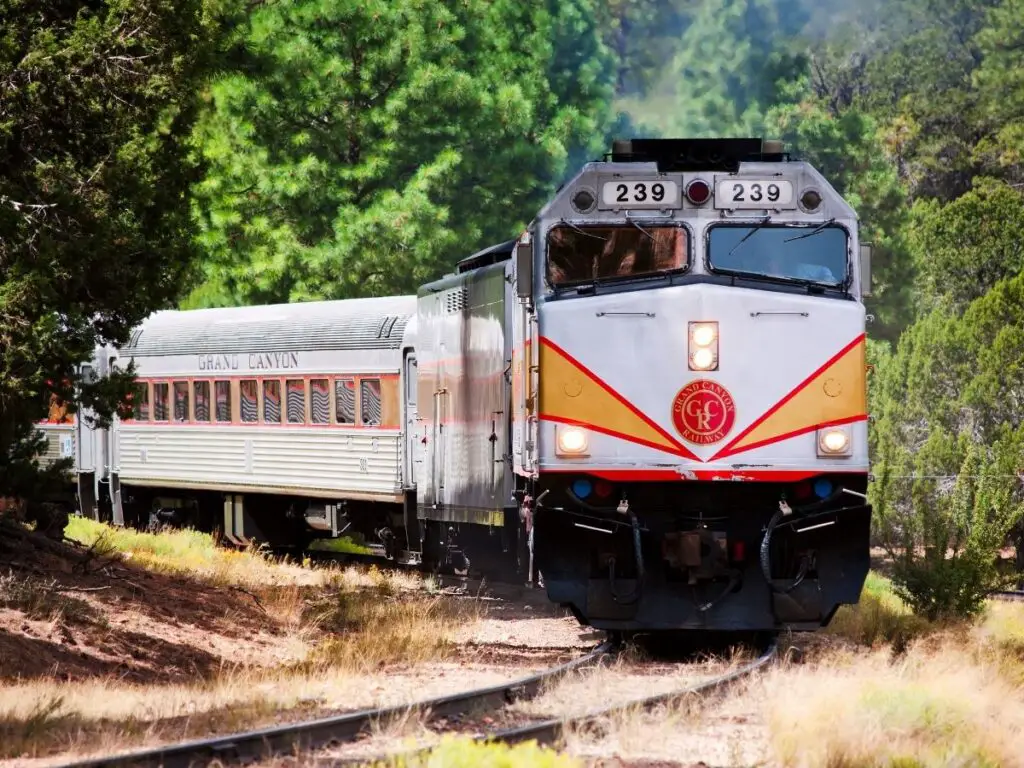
(84, 434)
(413, 439)
(524, 391)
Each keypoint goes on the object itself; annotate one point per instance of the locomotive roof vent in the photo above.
(697, 154)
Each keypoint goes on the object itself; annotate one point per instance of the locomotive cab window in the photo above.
(804, 253)
(588, 253)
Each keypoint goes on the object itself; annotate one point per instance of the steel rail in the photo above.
(313, 734)
(1009, 595)
(550, 731)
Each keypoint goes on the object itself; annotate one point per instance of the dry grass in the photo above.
(196, 555)
(45, 601)
(936, 705)
(880, 617)
(360, 633)
(354, 624)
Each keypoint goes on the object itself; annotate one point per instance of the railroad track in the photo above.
(1013, 594)
(316, 734)
(550, 731)
(310, 735)
(313, 734)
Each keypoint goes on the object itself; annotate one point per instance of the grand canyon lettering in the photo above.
(258, 361)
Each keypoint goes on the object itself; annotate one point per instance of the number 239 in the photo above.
(757, 193)
(640, 193)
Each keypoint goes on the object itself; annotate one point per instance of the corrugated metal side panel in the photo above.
(325, 325)
(54, 434)
(359, 461)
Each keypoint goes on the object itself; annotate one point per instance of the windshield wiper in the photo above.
(583, 232)
(813, 232)
(761, 224)
(633, 222)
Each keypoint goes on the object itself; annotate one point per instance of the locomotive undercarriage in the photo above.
(705, 555)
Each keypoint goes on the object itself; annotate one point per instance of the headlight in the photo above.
(834, 441)
(703, 359)
(571, 441)
(703, 346)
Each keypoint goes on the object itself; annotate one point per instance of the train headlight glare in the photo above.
(572, 441)
(703, 359)
(704, 334)
(703, 346)
(834, 441)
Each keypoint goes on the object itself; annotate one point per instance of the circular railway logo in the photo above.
(703, 412)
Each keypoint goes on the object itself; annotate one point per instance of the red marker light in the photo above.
(698, 192)
(739, 551)
(603, 489)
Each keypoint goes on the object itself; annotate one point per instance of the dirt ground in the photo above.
(100, 652)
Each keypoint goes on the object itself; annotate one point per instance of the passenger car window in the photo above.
(160, 401)
(369, 402)
(142, 402)
(249, 398)
(295, 390)
(320, 401)
(222, 390)
(345, 401)
(272, 402)
(181, 401)
(201, 392)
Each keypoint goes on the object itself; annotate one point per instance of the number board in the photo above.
(754, 193)
(640, 193)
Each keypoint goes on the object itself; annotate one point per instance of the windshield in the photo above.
(578, 254)
(788, 252)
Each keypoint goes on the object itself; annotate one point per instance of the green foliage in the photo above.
(726, 70)
(948, 450)
(846, 148)
(919, 87)
(96, 107)
(1000, 81)
(462, 752)
(946, 538)
(963, 248)
(880, 616)
(365, 146)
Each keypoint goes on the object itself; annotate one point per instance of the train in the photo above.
(651, 403)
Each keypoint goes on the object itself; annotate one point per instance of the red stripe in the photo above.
(613, 433)
(650, 475)
(681, 449)
(795, 433)
(727, 450)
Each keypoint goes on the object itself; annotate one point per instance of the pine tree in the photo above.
(97, 101)
(369, 144)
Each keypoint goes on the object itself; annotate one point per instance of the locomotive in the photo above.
(652, 402)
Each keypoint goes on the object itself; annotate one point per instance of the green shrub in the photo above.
(944, 514)
(462, 752)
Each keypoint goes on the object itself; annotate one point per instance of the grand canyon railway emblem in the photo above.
(703, 412)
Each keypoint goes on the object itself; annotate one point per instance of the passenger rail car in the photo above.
(654, 400)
